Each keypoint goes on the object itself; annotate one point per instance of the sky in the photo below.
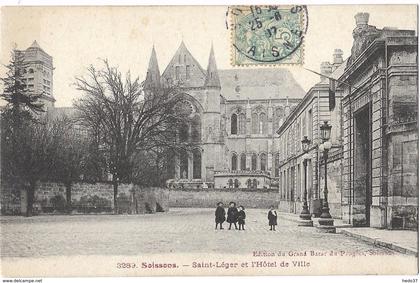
(79, 36)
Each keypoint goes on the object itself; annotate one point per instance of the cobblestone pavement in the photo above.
(180, 230)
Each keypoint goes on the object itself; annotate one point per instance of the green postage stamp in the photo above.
(267, 35)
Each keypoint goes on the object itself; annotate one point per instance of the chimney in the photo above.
(326, 69)
(362, 19)
(338, 56)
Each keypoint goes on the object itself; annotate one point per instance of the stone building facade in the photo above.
(305, 120)
(380, 128)
(234, 116)
(38, 73)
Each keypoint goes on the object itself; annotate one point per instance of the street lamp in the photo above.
(305, 215)
(326, 222)
(325, 131)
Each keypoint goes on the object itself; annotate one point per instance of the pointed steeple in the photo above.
(212, 78)
(153, 73)
(35, 45)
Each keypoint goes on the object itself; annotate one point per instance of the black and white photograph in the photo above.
(193, 140)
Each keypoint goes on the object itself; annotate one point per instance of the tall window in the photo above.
(310, 118)
(234, 124)
(255, 123)
(276, 164)
(263, 162)
(183, 132)
(242, 124)
(234, 162)
(236, 183)
(243, 161)
(262, 123)
(177, 72)
(254, 162)
(187, 72)
(196, 164)
(183, 164)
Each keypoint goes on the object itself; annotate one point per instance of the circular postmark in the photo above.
(268, 34)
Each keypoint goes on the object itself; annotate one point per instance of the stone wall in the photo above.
(210, 197)
(50, 197)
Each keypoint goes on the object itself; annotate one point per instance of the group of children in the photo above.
(237, 215)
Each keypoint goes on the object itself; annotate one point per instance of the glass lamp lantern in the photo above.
(325, 131)
(305, 144)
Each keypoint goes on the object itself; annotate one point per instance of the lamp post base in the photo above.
(326, 225)
(305, 223)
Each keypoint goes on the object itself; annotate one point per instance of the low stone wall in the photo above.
(250, 198)
(50, 197)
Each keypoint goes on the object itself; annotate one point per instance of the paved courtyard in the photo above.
(178, 231)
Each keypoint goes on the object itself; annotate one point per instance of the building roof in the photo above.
(262, 83)
(183, 58)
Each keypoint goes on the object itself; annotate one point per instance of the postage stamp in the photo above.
(268, 35)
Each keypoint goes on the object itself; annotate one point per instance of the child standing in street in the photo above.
(272, 218)
(232, 215)
(241, 217)
(220, 215)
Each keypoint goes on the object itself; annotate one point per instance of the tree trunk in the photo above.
(115, 183)
(68, 198)
(30, 202)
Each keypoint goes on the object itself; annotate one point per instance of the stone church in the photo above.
(234, 117)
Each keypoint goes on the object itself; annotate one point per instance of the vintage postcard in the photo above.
(209, 140)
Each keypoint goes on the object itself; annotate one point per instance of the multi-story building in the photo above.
(234, 116)
(373, 164)
(305, 120)
(38, 73)
(380, 141)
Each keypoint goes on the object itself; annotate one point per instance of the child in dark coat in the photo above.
(241, 217)
(272, 218)
(232, 215)
(220, 215)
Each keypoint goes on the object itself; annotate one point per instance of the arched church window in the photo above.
(236, 183)
(234, 162)
(234, 124)
(183, 158)
(262, 123)
(254, 122)
(196, 164)
(263, 162)
(242, 124)
(243, 161)
(254, 162)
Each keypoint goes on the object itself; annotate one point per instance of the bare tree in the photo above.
(70, 155)
(127, 118)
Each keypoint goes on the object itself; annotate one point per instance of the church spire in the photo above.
(212, 78)
(153, 73)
